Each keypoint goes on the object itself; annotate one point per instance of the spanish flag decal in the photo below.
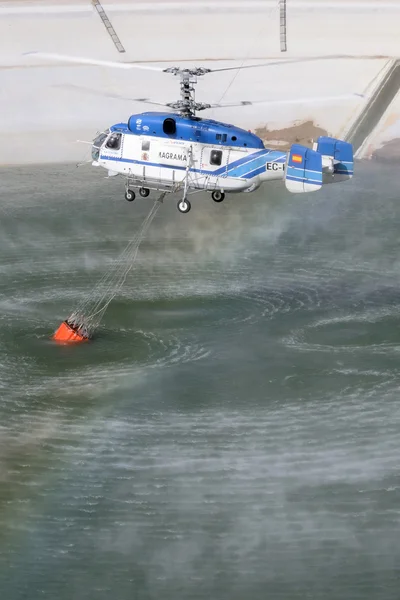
(297, 158)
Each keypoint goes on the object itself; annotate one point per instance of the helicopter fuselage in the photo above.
(169, 152)
(162, 150)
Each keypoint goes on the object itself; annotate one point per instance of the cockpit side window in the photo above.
(97, 143)
(114, 141)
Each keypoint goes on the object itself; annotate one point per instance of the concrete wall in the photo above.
(46, 106)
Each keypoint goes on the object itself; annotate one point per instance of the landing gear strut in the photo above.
(184, 205)
(218, 196)
(130, 195)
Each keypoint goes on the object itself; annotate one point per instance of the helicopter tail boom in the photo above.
(329, 161)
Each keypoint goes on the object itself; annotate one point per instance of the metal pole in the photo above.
(282, 20)
(110, 29)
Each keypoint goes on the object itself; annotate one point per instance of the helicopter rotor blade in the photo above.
(86, 90)
(288, 101)
(148, 101)
(91, 61)
(284, 61)
(93, 92)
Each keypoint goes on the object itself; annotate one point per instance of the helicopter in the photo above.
(178, 151)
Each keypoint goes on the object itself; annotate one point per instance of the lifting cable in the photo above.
(86, 317)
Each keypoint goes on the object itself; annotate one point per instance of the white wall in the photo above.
(46, 106)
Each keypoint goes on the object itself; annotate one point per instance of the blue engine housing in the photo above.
(204, 131)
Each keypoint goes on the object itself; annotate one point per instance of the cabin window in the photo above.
(169, 126)
(234, 138)
(114, 141)
(224, 137)
(216, 157)
(145, 145)
(218, 136)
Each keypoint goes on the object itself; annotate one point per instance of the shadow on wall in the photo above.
(300, 133)
(389, 153)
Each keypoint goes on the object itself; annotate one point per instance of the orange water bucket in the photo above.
(66, 334)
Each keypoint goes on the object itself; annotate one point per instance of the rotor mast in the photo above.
(188, 79)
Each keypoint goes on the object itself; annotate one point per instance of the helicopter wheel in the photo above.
(184, 206)
(144, 192)
(130, 195)
(218, 196)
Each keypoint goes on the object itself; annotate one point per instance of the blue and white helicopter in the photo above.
(179, 152)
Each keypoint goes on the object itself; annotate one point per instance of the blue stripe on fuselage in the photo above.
(246, 167)
(254, 173)
(254, 163)
(240, 161)
(143, 162)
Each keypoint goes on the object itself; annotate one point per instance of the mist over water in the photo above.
(233, 430)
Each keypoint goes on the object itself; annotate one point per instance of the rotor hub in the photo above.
(195, 72)
(188, 79)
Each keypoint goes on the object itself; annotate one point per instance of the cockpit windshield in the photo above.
(97, 143)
